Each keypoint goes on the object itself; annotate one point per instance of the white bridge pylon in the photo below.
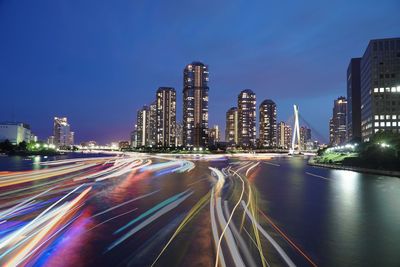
(296, 131)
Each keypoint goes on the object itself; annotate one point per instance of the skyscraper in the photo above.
(284, 134)
(380, 87)
(268, 124)
(153, 124)
(247, 118)
(305, 137)
(353, 100)
(331, 131)
(143, 127)
(339, 120)
(179, 135)
(195, 105)
(232, 126)
(61, 132)
(134, 137)
(166, 117)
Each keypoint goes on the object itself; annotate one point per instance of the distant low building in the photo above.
(15, 132)
(89, 144)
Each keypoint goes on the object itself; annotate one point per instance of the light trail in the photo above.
(191, 214)
(125, 203)
(277, 247)
(113, 218)
(22, 204)
(288, 239)
(273, 164)
(10, 180)
(237, 259)
(5, 242)
(152, 218)
(239, 238)
(318, 176)
(214, 227)
(152, 210)
(17, 259)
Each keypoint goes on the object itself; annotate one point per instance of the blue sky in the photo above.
(97, 62)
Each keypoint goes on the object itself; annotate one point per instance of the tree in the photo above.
(6, 146)
(22, 146)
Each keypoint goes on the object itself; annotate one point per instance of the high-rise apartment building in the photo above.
(195, 105)
(166, 117)
(268, 125)
(215, 135)
(247, 119)
(305, 137)
(134, 137)
(62, 132)
(143, 127)
(153, 113)
(339, 121)
(284, 134)
(232, 126)
(380, 87)
(179, 135)
(331, 131)
(353, 100)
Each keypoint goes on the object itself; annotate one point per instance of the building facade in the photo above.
(232, 126)
(380, 87)
(179, 135)
(134, 137)
(143, 127)
(166, 117)
(153, 124)
(339, 121)
(305, 137)
(15, 132)
(353, 101)
(268, 126)
(331, 131)
(215, 135)
(284, 135)
(247, 119)
(62, 132)
(195, 105)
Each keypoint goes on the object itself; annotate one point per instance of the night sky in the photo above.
(97, 62)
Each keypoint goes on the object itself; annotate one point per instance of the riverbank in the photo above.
(311, 162)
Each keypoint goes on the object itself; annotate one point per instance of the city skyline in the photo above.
(114, 79)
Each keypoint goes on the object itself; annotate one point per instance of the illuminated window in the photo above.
(394, 117)
(376, 90)
(388, 117)
(376, 117)
(393, 89)
(394, 123)
(387, 89)
(381, 90)
(376, 130)
(382, 117)
(376, 124)
(388, 124)
(382, 124)
(398, 89)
